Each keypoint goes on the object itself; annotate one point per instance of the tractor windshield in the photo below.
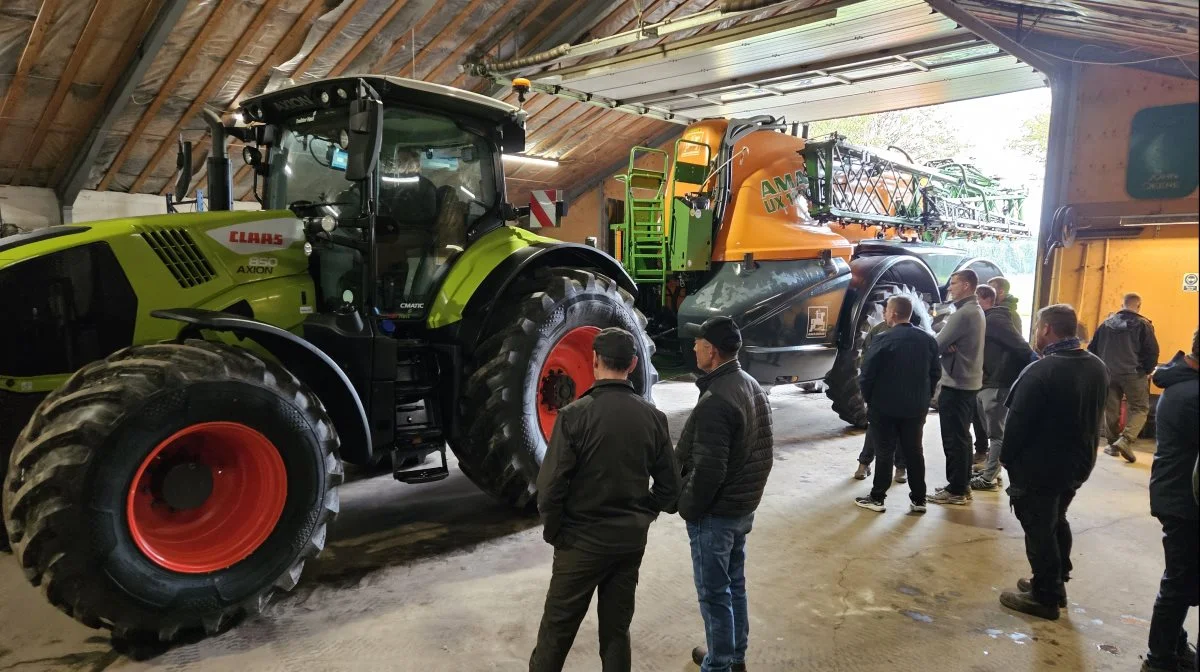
(436, 180)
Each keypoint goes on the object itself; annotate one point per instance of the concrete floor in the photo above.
(439, 577)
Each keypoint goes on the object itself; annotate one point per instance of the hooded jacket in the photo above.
(1125, 342)
(1010, 302)
(1178, 437)
(962, 367)
(1005, 352)
(726, 449)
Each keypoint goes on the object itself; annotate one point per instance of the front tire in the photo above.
(170, 489)
(538, 359)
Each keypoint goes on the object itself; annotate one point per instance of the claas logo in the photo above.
(256, 238)
(784, 190)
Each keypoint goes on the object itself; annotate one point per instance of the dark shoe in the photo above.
(863, 471)
(1027, 604)
(914, 507)
(868, 503)
(700, 652)
(901, 475)
(979, 483)
(1147, 667)
(1125, 451)
(1025, 586)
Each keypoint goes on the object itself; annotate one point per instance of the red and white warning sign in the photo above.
(543, 208)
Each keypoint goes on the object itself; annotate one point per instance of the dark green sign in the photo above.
(1164, 152)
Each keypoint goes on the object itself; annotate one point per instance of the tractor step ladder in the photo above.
(643, 232)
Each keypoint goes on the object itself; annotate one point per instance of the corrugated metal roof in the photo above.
(824, 62)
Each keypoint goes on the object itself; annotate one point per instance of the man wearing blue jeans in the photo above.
(725, 456)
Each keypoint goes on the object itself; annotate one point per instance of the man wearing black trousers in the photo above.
(1049, 449)
(897, 380)
(1173, 502)
(960, 343)
(597, 503)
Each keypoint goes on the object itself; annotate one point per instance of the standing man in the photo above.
(596, 501)
(867, 455)
(1172, 502)
(897, 380)
(1054, 413)
(725, 453)
(1126, 344)
(1005, 355)
(960, 343)
(1004, 298)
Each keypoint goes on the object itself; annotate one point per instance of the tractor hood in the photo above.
(74, 294)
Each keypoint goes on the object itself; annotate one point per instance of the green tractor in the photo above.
(178, 393)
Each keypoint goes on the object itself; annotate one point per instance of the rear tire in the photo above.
(504, 441)
(841, 383)
(76, 469)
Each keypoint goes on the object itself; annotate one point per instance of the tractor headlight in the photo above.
(328, 223)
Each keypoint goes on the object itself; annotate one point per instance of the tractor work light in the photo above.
(531, 160)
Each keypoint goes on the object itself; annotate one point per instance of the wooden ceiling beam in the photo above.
(212, 23)
(86, 39)
(210, 87)
(362, 43)
(29, 56)
(328, 38)
(470, 41)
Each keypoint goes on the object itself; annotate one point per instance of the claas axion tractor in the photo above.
(800, 241)
(178, 393)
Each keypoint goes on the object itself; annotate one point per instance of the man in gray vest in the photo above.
(960, 343)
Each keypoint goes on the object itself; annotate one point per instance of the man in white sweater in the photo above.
(960, 343)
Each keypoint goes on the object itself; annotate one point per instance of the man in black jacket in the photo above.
(1049, 449)
(1125, 342)
(596, 501)
(897, 380)
(1172, 502)
(725, 453)
(1005, 355)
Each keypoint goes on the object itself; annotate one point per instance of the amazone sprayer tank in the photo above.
(799, 241)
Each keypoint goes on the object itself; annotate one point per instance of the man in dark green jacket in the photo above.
(1005, 355)
(597, 503)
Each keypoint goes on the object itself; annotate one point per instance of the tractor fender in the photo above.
(487, 297)
(985, 269)
(868, 272)
(313, 367)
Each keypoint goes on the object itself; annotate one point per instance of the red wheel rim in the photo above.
(567, 372)
(233, 516)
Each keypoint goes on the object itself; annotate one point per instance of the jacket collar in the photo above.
(610, 383)
(964, 301)
(727, 368)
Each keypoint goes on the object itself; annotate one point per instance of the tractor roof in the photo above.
(306, 95)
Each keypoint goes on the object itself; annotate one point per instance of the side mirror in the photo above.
(512, 137)
(366, 139)
(183, 163)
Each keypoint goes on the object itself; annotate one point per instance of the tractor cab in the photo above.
(392, 178)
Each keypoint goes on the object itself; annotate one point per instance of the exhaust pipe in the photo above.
(220, 173)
